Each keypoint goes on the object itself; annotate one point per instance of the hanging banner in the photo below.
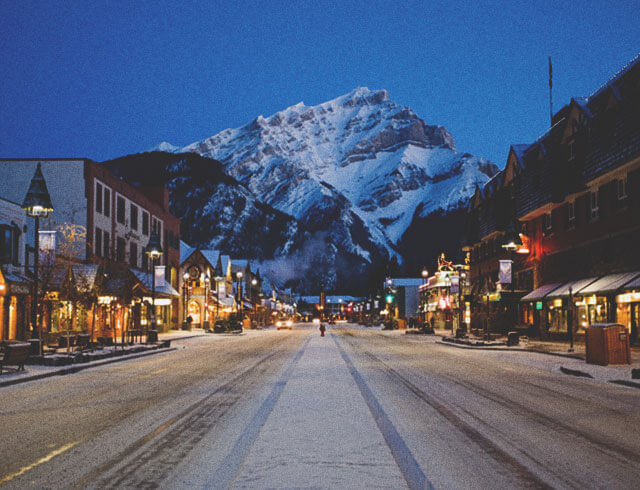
(159, 271)
(504, 275)
(47, 245)
(455, 284)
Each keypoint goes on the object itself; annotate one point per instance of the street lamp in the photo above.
(254, 282)
(218, 278)
(37, 203)
(425, 274)
(207, 284)
(154, 252)
(185, 296)
(239, 292)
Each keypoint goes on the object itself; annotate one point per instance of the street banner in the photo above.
(159, 276)
(504, 275)
(455, 284)
(47, 247)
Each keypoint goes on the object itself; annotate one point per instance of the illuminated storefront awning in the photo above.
(575, 286)
(609, 283)
(541, 292)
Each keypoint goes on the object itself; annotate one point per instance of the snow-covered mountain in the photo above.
(359, 167)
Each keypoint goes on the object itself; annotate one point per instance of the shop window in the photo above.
(120, 210)
(107, 202)
(595, 206)
(97, 246)
(98, 197)
(133, 216)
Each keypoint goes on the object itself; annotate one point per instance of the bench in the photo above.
(83, 341)
(15, 354)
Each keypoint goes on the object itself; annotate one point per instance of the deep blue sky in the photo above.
(104, 79)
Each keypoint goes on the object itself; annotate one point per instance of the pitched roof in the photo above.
(185, 251)
(212, 256)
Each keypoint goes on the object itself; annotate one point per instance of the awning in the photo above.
(575, 286)
(609, 283)
(633, 284)
(541, 292)
(165, 289)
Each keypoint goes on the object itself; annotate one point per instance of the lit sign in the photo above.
(628, 297)
(538, 305)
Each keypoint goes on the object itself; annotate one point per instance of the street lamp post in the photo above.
(207, 283)
(185, 296)
(254, 283)
(239, 292)
(154, 252)
(37, 204)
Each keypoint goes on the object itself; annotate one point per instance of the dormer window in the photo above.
(547, 224)
(572, 150)
(595, 207)
(622, 188)
(571, 214)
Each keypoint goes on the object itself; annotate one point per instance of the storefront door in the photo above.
(635, 321)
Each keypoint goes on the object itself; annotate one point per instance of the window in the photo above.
(572, 153)
(145, 223)
(145, 262)
(97, 246)
(571, 213)
(622, 188)
(120, 252)
(8, 245)
(98, 197)
(547, 224)
(120, 206)
(133, 212)
(107, 202)
(106, 245)
(595, 208)
(133, 254)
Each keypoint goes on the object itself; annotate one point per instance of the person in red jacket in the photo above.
(322, 329)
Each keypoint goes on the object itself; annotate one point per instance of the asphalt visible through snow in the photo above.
(358, 408)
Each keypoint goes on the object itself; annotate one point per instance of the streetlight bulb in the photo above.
(239, 275)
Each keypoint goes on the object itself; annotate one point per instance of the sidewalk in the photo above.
(34, 372)
(320, 433)
(571, 363)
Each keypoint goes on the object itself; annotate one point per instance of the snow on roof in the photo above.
(185, 251)
(407, 281)
(615, 77)
(212, 256)
(147, 281)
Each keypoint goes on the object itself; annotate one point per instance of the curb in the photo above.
(82, 367)
(624, 382)
(509, 349)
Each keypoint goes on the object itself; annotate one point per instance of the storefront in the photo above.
(558, 303)
(14, 302)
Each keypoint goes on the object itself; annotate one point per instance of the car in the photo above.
(280, 324)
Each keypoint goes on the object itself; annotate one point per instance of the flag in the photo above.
(550, 72)
(504, 273)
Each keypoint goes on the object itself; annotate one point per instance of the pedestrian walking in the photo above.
(322, 329)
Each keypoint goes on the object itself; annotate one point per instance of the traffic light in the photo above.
(389, 298)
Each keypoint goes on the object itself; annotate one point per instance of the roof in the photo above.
(147, 281)
(616, 77)
(541, 292)
(609, 283)
(407, 281)
(633, 284)
(225, 259)
(212, 256)
(185, 251)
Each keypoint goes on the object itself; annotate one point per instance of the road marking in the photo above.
(405, 460)
(44, 459)
(152, 373)
(230, 466)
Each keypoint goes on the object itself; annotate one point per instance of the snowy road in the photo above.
(355, 409)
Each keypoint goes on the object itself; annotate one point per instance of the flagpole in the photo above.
(550, 95)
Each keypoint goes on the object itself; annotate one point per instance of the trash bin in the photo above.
(607, 343)
(513, 338)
